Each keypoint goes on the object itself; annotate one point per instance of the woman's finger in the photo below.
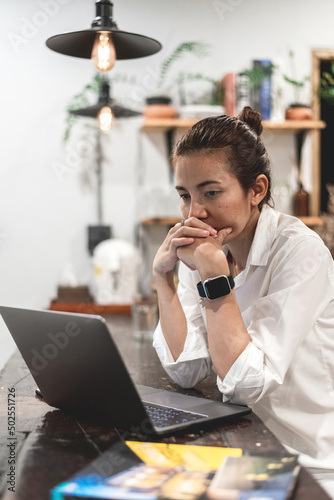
(181, 242)
(197, 223)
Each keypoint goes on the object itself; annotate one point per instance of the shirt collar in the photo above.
(264, 236)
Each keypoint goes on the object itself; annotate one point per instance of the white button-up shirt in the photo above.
(286, 373)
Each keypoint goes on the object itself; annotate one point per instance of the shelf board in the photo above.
(294, 125)
(163, 124)
(310, 220)
(90, 307)
(162, 221)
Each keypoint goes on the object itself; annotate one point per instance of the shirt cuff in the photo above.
(193, 364)
(244, 381)
(195, 347)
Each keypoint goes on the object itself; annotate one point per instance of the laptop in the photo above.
(78, 368)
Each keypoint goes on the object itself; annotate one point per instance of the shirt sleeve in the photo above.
(194, 362)
(300, 287)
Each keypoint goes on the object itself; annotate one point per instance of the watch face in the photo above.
(217, 287)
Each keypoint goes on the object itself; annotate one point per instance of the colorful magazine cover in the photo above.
(254, 477)
(139, 470)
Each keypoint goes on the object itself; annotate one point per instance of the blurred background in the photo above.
(48, 185)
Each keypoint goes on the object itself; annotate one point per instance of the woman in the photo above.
(268, 327)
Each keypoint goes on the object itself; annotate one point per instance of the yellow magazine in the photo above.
(191, 456)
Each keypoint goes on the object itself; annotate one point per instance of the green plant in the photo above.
(198, 49)
(297, 85)
(326, 91)
(257, 74)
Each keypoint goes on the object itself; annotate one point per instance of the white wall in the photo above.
(44, 218)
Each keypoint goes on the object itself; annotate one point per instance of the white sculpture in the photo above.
(116, 264)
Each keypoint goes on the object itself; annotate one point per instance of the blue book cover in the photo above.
(262, 94)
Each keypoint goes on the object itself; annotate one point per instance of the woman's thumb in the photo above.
(223, 233)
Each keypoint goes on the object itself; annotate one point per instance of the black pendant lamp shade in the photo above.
(80, 43)
(105, 100)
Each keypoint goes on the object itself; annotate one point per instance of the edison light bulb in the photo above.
(103, 52)
(105, 119)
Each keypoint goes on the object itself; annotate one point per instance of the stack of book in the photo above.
(249, 88)
(135, 470)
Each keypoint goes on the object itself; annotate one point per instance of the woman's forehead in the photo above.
(201, 164)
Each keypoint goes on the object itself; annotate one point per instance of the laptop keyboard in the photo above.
(163, 416)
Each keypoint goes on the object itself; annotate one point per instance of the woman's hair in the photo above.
(239, 141)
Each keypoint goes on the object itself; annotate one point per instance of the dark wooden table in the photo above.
(49, 446)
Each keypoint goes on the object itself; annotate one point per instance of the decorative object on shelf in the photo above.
(103, 42)
(69, 291)
(116, 266)
(301, 201)
(159, 107)
(71, 294)
(296, 110)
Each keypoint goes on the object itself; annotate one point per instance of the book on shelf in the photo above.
(261, 94)
(237, 93)
(135, 470)
(229, 92)
(254, 477)
(243, 92)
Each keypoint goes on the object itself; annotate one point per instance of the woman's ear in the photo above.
(259, 190)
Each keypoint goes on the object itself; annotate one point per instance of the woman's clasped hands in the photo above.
(188, 241)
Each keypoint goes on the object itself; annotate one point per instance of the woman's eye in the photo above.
(184, 196)
(211, 194)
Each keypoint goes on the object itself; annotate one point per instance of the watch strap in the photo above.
(201, 289)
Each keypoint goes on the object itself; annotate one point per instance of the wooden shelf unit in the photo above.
(293, 126)
(163, 124)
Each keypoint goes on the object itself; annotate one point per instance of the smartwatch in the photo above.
(214, 288)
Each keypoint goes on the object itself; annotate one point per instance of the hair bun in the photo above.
(252, 118)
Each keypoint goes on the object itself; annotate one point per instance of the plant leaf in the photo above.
(295, 83)
(198, 49)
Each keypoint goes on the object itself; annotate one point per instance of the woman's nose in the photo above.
(197, 210)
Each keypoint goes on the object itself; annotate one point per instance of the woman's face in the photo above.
(209, 192)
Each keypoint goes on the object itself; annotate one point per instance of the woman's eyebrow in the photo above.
(201, 184)
(206, 183)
